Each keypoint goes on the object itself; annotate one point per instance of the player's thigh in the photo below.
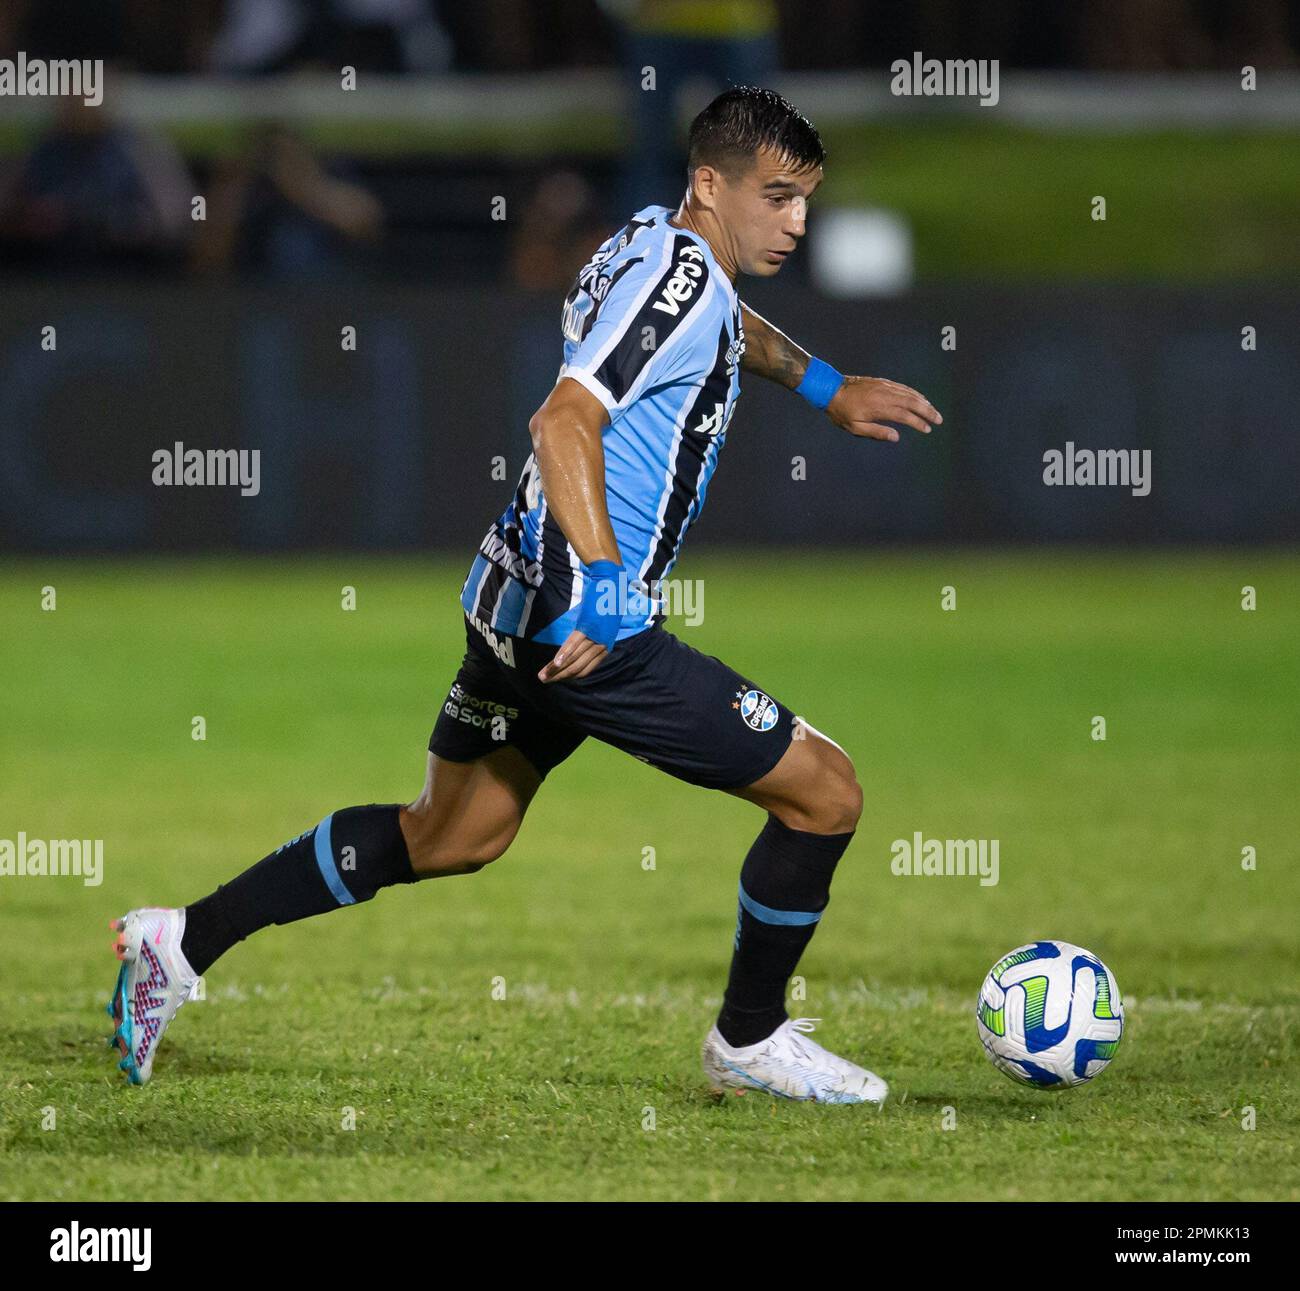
(489, 751)
(814, 786)
(683, 711)
(468, 812)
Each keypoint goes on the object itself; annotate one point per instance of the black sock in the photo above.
(784, 887)
(344, 860)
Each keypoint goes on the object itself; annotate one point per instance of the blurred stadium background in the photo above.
(443, 205)
(376, 208)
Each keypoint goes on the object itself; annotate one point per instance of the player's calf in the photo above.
(438, 848)
(342, 861)
(465, 817)
(468, 813)
(814, 803)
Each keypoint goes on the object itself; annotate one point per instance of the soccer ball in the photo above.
(1050, 1015)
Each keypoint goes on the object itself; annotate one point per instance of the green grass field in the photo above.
(973, 723)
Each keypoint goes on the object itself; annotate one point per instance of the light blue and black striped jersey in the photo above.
(652, 328)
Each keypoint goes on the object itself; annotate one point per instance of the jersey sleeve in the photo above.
(652, 329)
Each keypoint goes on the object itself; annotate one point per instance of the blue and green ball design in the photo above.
(1050, 1015)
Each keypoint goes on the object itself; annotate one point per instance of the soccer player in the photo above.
(563, 621)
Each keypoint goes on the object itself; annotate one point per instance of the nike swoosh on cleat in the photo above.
(771, 1089)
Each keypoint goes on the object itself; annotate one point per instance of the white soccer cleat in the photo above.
(791, 1066)
(154, 981)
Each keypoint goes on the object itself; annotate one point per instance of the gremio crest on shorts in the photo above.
(759, 710)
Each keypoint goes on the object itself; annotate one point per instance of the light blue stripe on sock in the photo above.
(768, 915)
(329, 871)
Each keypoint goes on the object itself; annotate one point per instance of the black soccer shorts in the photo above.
(652, 696)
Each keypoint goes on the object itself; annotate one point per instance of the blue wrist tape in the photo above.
(599, 613)
(819, 383)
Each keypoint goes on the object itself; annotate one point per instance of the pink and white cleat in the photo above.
(790, 1065)
(154, 981)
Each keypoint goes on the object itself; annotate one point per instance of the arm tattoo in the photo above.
(771, 353)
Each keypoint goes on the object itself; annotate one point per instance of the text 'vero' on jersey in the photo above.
(652, 329)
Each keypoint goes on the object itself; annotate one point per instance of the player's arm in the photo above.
(567, 432)
(769, 352)
(857, 404)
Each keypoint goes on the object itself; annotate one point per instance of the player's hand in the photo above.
(575, 658)
(862, 404)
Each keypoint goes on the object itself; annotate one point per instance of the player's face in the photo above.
(764, 212)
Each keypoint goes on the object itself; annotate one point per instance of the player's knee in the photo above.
(854, 799)
(841, 806)
(827, 797)
(834, 801)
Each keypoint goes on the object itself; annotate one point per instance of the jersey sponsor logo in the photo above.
(473, 711)
(734, 352)
(759, 710)
(713, 424)
(595, 280)
(495, 549)
(681, 286)
(503, 647)
(532, 482)
(572, 322)
(720, 391)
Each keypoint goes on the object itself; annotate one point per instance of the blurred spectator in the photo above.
(1157, 35)
(277, 213)
(93, 193)
(167, 36)
(528, 35)
(703, 44)
(561, 226)
(1141, 35)
(267, 36)
(1262, 35)
(67, 29)
(372, 35)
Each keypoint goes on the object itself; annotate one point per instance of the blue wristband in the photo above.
(600, 590)
(819, 383)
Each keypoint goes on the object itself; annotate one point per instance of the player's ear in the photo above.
(704, 185)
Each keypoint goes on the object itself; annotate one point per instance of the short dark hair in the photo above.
(740, 121)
